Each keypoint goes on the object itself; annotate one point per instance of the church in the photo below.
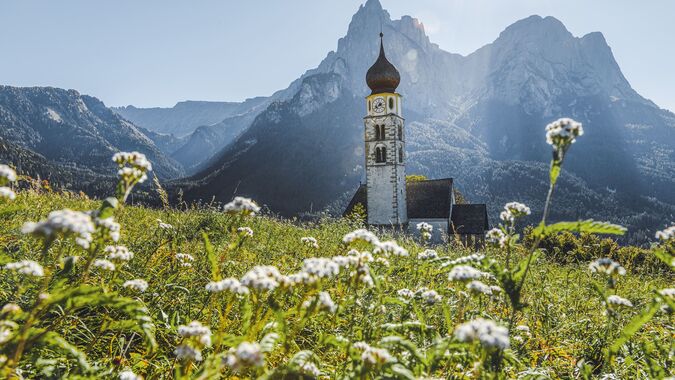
(387, 198)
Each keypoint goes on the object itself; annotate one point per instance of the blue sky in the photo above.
(158, 52)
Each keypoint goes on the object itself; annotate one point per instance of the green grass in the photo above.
(564, 312)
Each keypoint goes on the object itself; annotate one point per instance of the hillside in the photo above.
(416, 331)
(73, 130)
(468, 117)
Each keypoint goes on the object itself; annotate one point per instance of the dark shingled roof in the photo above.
(469, 219)
(425, 199)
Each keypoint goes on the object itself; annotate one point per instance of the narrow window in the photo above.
(391, 103)
(369, 107)
(400, 132)
(384, 154)
(400, 154)
(382, 132)
(377, 132)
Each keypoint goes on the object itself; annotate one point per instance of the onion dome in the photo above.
(382, 76)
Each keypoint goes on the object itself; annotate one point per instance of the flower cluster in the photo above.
(245, 355)
(427, 254)
(477, 287)
(361, 235)
(497, 238)
(472, 258)
(241, 205)
(27, 267)
(321, 267)
(464, 273)
(513, 211)
(429, 296)
(310, 242)
(607, 266)
(563, 132)
(231, 284)
(118, 253)
(667, 234)
(373, 356)
(185, 259)
(104, 264)
(425, 230)
(7, 193)
(108, 226)
(488, 333)
(323, 302)
(195, 338)
(138, 284)
(164, 226)
(387, 247)
(66, 222)
(262, 277)
(245, 231)
(129, 375)
(614, 301)
(138, 166)
(7, 175)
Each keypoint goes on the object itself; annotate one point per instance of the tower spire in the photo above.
(382, 76)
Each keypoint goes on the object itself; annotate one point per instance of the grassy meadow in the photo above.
(103, 289)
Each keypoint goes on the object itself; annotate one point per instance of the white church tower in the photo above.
(385, 146)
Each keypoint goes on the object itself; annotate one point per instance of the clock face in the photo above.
(379, 105)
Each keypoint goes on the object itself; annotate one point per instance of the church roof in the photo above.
(382, 76)
(469, 219)
(429, 199)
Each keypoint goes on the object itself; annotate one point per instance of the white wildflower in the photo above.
(263, 277)
(118, 253)
(390, 246)
(109, 226)
(496, 289)
(135, 159)
(323, 302)
(7, 193)
(310, 369)
(129, 375)
(430, 296)
(66, 222)
(477, 287)
(615, 300)
(464, 273)
(563, 132)
(668, 292)
(186, 352)
(376, 356)
(230, 284)
(666, 234)
(309, 241)
(474, 257)
(185, 259)
(196, 333)
(104, 264)
(361, 346)
(513, 211)
(427, 254)
(7, 330)
(488, 333)
(607, 266)
(405, 293)
(27, 267)
(245, 231)
(10, 308)
(362, 235)
(7, 174)
(425, 230)
(245, 355)
(321, 267)
(164, 226)
(138, 284)
(496, 237)
(382, 260)
(524, 329)
(241, 205)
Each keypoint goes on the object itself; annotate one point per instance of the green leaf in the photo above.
(634, 326)
(402, 372)
(397, 341)
(108, 207)
(664, 256)
(57, 342)
(268, 342)
(588, 226)
(519, 270)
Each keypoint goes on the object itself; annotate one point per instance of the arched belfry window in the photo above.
(380, 154)
(377, 133)
(400, 154)
(383, 135)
